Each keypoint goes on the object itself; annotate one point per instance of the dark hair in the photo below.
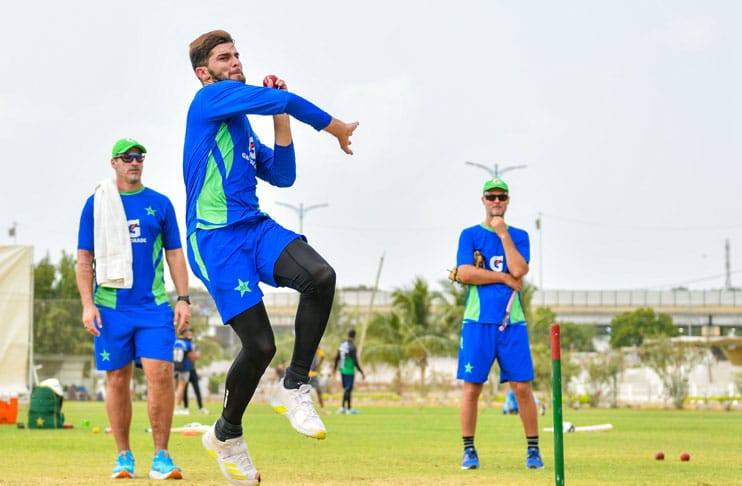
(202, 46)
(352, 333)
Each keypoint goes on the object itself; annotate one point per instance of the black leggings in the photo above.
(301, 268)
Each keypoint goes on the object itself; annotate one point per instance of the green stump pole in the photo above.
(556, 385)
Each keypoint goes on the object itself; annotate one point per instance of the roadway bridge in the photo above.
(688, 308)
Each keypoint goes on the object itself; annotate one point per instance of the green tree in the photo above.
(631, 328)
(603, 371)
(386, 345)
(672, 362)
(573, 337)
(542, 368)
(452, 305)
(44, 274)
(57, 309)
(411, 332)
(66, 286)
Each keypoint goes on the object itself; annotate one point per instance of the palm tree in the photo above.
(411, 332)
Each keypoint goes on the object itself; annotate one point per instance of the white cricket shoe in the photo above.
(296, 405)
(232, 457)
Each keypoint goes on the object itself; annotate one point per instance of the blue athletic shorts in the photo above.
(348, 381)
(231, 261)
(481, 344)
(130, 335)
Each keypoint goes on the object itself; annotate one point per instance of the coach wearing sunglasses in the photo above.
(127, 232)
(492, 260)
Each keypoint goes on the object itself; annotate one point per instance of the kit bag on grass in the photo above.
(45, 411)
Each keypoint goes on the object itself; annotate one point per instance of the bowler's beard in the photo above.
(224, 77)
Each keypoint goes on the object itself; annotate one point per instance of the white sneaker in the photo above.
(181, 411)
(296, 405)
(203, 411)
(232, 457)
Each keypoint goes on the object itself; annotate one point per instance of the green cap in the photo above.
(126, 144)
(495, 183)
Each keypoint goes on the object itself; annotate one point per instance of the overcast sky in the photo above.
(627, 115)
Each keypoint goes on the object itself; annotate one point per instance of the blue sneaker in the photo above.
(471, 460)
(533, 461)
(124, 466)
(163, 467)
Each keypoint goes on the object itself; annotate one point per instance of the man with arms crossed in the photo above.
(494, 327)
(136, 323)
(233, 245)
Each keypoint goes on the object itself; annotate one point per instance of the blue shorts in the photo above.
(231, 261)
(482, 344)
(130, 335)
(348, 381)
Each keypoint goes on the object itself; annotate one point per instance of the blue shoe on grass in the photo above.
(124, 466)
(533, 461)
(163, 467)
(471, 460)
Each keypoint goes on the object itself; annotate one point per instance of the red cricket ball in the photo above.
(270, 77)
(685, 457)
(660, 456)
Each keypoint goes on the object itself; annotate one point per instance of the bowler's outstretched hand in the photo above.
(342, 131)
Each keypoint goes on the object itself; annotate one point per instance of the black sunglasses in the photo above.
(130, 156)
(499, 197)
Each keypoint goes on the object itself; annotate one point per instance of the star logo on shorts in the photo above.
(242, 287)
(105, 356)
(468, 367)
(150, 211)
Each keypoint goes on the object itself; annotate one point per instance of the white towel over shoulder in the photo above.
(113, 258)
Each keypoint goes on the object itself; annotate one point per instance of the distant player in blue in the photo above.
(494, 326)
(233, 245)
(182, 365)
(135, 323)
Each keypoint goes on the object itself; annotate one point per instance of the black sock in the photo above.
(468, 441)
(532, 441)
(223, 430)
(293, 380)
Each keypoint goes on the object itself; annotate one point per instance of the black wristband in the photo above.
(184, 298)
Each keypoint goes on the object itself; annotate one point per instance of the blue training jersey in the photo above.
(223, 157)
(153, 228)
(487, 303)
(181, 348)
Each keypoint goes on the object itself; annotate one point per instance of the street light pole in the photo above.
(540, 255)
(301, 211)
(496, 171)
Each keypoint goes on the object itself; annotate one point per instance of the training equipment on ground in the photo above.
(570, 427)
(556, 387)
(685, 457)
(660, 456)
(187, 428)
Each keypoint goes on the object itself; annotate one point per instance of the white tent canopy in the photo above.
(16, 311)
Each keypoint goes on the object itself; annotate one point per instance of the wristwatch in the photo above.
(184, 298)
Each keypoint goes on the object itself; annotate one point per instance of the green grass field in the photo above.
(396, 445)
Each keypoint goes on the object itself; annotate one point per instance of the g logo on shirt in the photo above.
(497, 263)
(135, 231)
